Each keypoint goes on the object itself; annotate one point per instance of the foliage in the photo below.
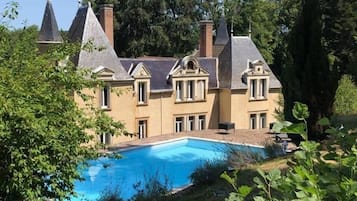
(316, 56)
(153, 189)
(110, 195)
(311, 175)
(346, 96)
(241, 157)
(262, 16)
(42, 130)
(279, 111)
(208, 172)
(272, 149)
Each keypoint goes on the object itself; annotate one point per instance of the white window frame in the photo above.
(142, 129)
(201, 84)
(262, 120)
(179, 90)
(190, 90)
(263, 88)
(142, 91)
(105, 138)
(201, 122)
(190, 123)
(253, 89)
(253, 121)
(105, 97)
(179, 124)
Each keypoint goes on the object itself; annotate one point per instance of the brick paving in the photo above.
(252, 137)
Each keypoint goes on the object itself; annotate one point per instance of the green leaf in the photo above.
(244, 190)
(300, 111)
(324, 122)
(298, 129)
(279, 125)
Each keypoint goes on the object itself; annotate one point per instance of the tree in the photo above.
(159, 28)
(346, 96)
(262, 16)
(42, 130)
(316, 60)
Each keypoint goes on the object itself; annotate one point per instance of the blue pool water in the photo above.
(172, 162)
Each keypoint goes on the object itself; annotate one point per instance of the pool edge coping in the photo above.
(178, 139)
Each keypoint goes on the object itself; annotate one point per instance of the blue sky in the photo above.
(31, 12)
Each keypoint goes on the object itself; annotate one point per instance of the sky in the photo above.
(31, 12)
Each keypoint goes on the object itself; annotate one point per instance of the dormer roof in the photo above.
(87, 30)
(237, 56)
(49, 29)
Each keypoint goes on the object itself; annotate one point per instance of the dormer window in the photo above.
(190, 90)
(104, 97)
(179, 90)
(142, 91)
(258, 89)
(190, 65)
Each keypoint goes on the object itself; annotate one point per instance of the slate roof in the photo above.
(235, 59)
(86, 28)
(222, 33)
(160, 68)
(49, 30)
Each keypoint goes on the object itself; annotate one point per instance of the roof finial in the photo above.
(250, 27)
(89, 4)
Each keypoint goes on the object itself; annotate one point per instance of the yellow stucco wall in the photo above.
(242, 107)
(161, 109)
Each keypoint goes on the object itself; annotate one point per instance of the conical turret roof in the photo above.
(49, 30)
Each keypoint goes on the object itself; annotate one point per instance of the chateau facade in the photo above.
(228, 81)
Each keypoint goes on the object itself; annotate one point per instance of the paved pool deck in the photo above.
(252, 137)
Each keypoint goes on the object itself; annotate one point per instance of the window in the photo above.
(201, 90)
(142, 129)
(191, 123)
(190, 65)
(201, 122)
(179, 124)
(179, 91)
(253, 123)
(142, 92)
(253, 86)
(105, 138)
(262, 88)
(105, 93)
(190, 89)
(263, 119)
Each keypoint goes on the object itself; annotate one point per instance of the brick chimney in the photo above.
(206, 39)
(106, 20)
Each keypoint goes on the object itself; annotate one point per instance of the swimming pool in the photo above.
(173, 161)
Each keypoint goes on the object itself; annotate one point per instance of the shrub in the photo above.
(110, 195)
(313, 174)
(152, 190)
(208, 172)
(272, 149)
(241, 157)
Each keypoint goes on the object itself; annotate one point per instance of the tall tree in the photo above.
(42, 130)
(308, 77)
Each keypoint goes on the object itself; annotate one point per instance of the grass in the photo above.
(220, 190)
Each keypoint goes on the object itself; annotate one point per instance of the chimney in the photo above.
(206, 39)
(106, 20)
